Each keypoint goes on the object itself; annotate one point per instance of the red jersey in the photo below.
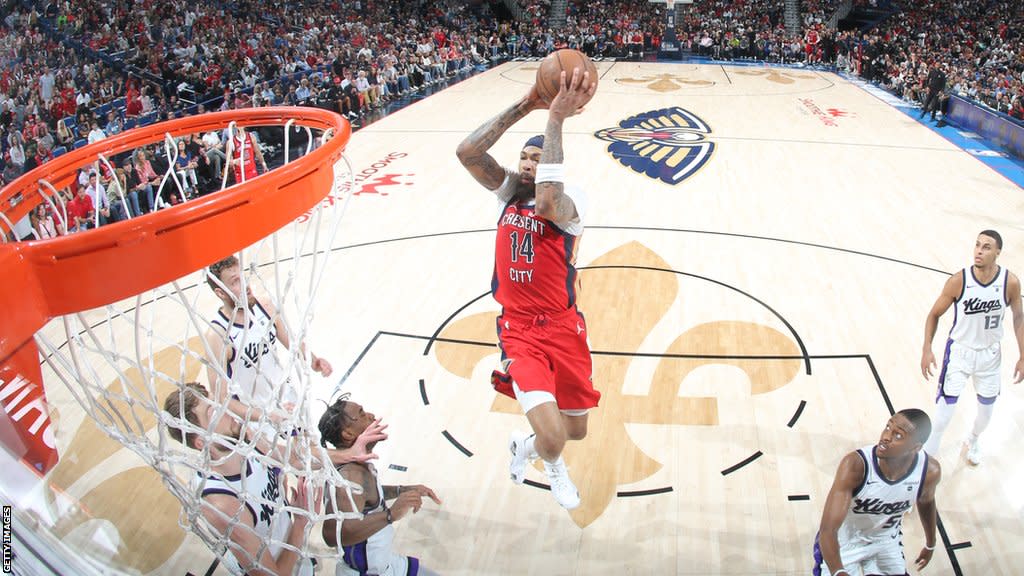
(534, 260)
(243, 148)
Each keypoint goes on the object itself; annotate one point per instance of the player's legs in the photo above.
(852, 557)
(549, 430)
(887, 559)
(957, 364)
(408, 566)
(945, 407)
(573, 369)
(575, 422)
(535, 351)
(987, 386)
(547, 442)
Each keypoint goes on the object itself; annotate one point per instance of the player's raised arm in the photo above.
(472, 151)
(850, 475)
(950, 292)
(552, 202)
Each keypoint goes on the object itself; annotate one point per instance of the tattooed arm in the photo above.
(472, 151)
(552, 202)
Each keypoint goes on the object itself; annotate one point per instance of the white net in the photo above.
(220, 361)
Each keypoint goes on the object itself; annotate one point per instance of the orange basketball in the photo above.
(549, 75)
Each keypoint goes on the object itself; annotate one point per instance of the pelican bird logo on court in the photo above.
(669, 144)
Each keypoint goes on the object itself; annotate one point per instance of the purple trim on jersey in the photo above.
(414, 566)
(233, 494)
(267, 314)
(986, 401)
(227, 321)
(1006, 281)
(356, 559)
(818, 558)
(218, 324)
(863, 480)
(998, 270)
(878, 471)
(229, 361)
(236, 477)
(956, 315)
(924, 474)
(942, 375)
(570, 270)
(963, 283)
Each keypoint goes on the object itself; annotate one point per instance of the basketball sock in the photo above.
(531, 450)
(556, 463)
(943, 415)
(982, 420)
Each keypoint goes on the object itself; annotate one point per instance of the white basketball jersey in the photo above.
(259, 489)
(252, 365)
(375, 555)
(978, 320)
(877, 509)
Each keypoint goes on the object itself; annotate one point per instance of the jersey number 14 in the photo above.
(524, 249)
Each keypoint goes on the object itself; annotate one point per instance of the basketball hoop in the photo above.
(128, 296)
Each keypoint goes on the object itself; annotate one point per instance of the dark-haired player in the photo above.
(981, 293)
(542, 335)
(367, 543)
(875, 486)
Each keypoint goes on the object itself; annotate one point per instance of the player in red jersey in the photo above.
(245, 153)
(542, 335)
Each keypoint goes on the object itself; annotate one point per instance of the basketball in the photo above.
(549, 75)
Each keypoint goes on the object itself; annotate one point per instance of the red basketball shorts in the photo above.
(548, 353)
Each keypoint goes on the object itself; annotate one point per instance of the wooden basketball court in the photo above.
(762, 249)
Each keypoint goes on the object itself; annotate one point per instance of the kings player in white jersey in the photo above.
(875, 486)
(243, 337)
(981, 293)
(243, 496)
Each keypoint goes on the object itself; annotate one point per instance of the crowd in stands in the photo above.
(979, 43)
(536, 12)
(77, 72)
(143, 62)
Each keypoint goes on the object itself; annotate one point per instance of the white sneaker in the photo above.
(973, 451)
(562, 488)
(520, 455)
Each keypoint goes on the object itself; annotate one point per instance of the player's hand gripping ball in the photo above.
(549, 75)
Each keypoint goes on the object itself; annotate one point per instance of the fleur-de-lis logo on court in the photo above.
(664, 82)
(619, 329)
(777, 76)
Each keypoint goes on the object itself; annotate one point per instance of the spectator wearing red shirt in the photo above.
(80, 212)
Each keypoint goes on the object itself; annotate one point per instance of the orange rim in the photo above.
(49, 278)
